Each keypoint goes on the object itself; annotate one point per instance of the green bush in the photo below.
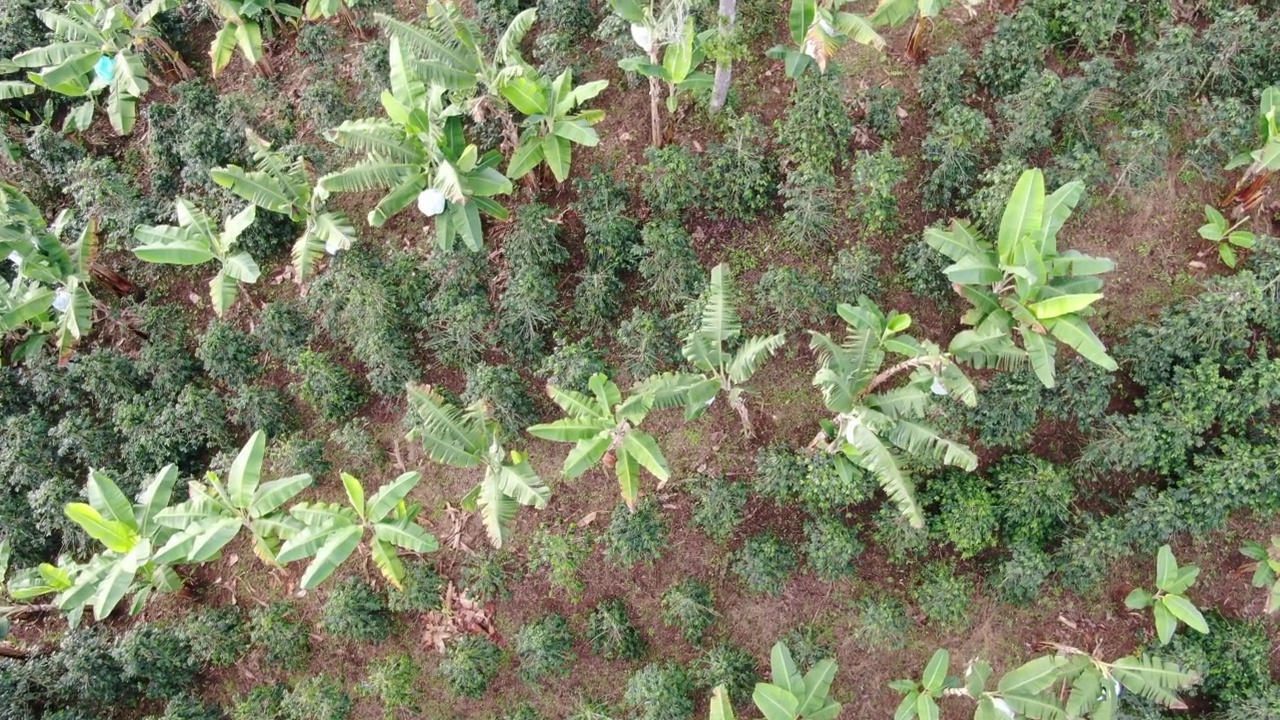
(470, 665)
(1021, 577)
(317, 698)
(86, 671)
(566, 25)
(968, 513)
(830, 548)
(296, 454)
(189, 707)
(637, 536)
(790, 299)
(986, 205)
(394, 681)
(946, 79)
(873, 183)
(779, 472)
(660, 691)
(809, 216)
(258, 407)
(668, 263)
(1082, 393)
(900, 541)
(505, 393)
(561, 555)
(597, 300)
(544, 647)
(217, 636)
(816, 128)
(882, 623)
(765, 564)
(329, 388)
(324, 103)
(265, 702)
(719, 506)
(741, 176)
(357, 446)
(589, 708)
(1233, 659)
(672, 182)
(809, 643)
(611, 634)
(856, 273)
(688, 605)
(727, 665)
(458, 314)
(943, 595)
(830, 482)
(355, 611)
(1034, 498)
(20, 687)
(880, 105)
(1009, 412)
(485, 575)
(286, 642)
(921, 270)
(527, 308)
(159, 658)
(1015, 49)
(646, 344)
(422, 588)
(283, 329)
(573, 363)
(228, 354)
(954, 147)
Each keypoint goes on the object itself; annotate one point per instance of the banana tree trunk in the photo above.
(655, 101)
(724, 66)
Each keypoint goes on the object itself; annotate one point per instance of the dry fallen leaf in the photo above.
(588, 518)
(459, 615)
(1197, 265)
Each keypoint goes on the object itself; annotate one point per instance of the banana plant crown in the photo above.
(1024, 283)
(1169, 603)
(681, 56)
(1264, 159)
(468, 438)
(1067, 684)
(449, 50)
(819, 28)
(49, 294)
(95, 49)
(1266, 573)
(316, 9)
(329, 533)
(707, 348)
(551, 125)
(283, 185)
(873, 426)
(216, 512)
(243, 24)
(604, 428)
(195, 241)
(790, 695)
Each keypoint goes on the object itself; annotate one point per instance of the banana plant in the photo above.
(216, 512)
(679, 69)
(1023, 284)
(244, 23)
(317, 9)
(707, 349)
(551, 127)
(1067, 684)
(13, 89)
(819, 28)
(875, 425)
(791, 695)
(329, 533)
(283, 185)
(894, 13)
(1169, 603)
(653, 26)
(96, 47)
(920, 698)
(468, 438)
(1262, 163)
(49, 294)
(419, 154)
(604, 428)
(1266, 569)
(1225, 235)
(128, 532)
(195, 241)
(451, 51)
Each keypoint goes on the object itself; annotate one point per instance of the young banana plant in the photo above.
(605, 429)
(96, 47)
(551, 125)
(128, 532)
(653, 26)
(1266, 569)
(1169, 603)
(217, 512)
(329, 533)
(195, 241)
(49, 294)
(468, 438)
(1024, 284)
(1262, 163)
(819, 28)
(920, 698)
(706, 349)
(875, 425)
(792, 696)
(283, 185)
(418, 154)
(244, 23)
(679, 69)
(896, 12)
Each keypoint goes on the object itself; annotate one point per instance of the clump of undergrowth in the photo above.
(660, 691)
(286, 642)
(544, 647)
(470, 665)
(765, 564)
(356, 611)
(637, 536)
(611, 633)
(688, 605)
